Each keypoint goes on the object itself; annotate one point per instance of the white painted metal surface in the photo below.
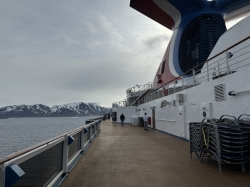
(199, 89)
(200, 98)
(126, 111)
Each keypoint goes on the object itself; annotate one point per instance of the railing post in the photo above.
(82, 139)
(207, 73)
(90, 132)
(2, 176)
(218, 65)
(227, 61)
(65, 154)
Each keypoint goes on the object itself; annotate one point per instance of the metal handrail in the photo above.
(196, 77)
(140, 86)
(185, 73)
(26, 150)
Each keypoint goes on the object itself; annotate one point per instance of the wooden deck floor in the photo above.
(129, 156)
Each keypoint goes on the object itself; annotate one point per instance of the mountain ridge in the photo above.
(64, 110)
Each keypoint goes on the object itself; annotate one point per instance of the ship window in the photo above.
(163, 67)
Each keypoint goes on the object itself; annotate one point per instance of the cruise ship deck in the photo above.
(129, 156)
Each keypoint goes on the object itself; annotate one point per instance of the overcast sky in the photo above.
(61, 51)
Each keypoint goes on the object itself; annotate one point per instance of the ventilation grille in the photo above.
(198, 39)
(219, 92)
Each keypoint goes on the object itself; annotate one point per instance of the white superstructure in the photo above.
(206, 93)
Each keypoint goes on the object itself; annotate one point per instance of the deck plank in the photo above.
(129, 156)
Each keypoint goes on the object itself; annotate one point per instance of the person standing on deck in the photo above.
(145, 118)
(122, 118)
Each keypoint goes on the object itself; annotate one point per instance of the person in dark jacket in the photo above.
(122, 118)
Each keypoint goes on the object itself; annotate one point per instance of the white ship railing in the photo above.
(229, 61)
(119, 104)
(140, 87)
(132, 94)
(49, 162)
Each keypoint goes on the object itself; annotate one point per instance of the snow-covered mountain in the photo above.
(39, 110)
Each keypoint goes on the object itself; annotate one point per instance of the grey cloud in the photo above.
(54, 52)
(155, 40)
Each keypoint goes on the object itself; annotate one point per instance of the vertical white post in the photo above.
(207, 73)
(227, 62)
(65, 154)
(90, 131)
(218, 66)
(2, 176)
(82, 139)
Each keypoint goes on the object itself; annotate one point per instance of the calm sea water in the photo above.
(19, 133)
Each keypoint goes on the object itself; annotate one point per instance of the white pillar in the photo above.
(90, 132)
(82, 139)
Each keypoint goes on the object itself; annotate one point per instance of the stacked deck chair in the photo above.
(244, 121)
(225, 141)
(197, 145)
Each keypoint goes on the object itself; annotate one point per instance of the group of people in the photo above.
(145, 119)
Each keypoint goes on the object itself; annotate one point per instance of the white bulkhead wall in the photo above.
(201, 98)
(175, 119)
(127, 112)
